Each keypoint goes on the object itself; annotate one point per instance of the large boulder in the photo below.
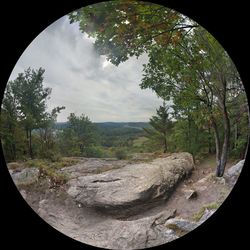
(233, 173)
(132, 186)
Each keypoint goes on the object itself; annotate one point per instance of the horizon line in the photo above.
(114, 121)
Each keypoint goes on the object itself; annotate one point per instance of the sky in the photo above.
(85, 82)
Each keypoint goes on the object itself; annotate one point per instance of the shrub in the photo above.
(121, 154)
(94, 151)
(197, 216)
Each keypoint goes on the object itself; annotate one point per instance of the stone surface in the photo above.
(90, 166)
(132, 185)
(206, 215)
(26, 176)
(233, 173)
(190, 194)
(104, 231)
(179, 224)
(23, 193)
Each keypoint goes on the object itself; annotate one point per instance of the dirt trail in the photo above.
(209, 190)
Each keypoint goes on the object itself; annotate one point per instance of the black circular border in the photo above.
(21, 22)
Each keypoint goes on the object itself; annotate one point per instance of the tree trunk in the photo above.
(247, 144)
(209, 141)
(224, 152)
(30, 145)
(235, 135)
(165, 143)
(14, 151)
(189, 135)
(27, 140)
(217, 144)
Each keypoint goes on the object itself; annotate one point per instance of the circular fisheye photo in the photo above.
(124, 125)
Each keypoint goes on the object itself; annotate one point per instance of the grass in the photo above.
(197, 216)
(15, 165)
(139, 141)
(49, 169)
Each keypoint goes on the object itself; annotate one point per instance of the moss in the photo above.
(197, 216)
(48, 169)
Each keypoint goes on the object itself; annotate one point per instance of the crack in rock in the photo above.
(95, 181)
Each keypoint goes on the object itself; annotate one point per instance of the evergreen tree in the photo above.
(161, 125)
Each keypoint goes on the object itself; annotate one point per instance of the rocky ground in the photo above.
(120, 204)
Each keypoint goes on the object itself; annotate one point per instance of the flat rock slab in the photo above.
(90, 166)
(106, 232)
(132, 185)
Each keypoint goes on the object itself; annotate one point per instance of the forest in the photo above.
(204, 107)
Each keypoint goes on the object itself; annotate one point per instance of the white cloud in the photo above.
(85, 82)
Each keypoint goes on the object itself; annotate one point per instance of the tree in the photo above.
(31, 98)
(24, 108)
(79, 137)
(161, 125)
(126, 28)
(47, 132)
(10, 131)
(198, 71)
(185, 61)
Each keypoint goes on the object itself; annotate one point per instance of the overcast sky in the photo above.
(83, 81)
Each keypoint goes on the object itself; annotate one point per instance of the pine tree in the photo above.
(161, 125)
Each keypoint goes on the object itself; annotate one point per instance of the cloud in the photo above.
(83, 81)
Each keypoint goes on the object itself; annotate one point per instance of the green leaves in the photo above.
(129, 28)
(186, 64)
(79, 137)
(24, 110)
(161, 125)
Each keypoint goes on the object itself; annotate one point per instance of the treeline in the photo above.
(29, 130)
(186, 65)
(26, 125)
(172, 133)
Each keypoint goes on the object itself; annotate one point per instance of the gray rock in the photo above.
(90, 166)
(137, 234)
(23, 193)
(180, 224)
(102, 231)
(233, 173)
(190, 194)
(132, 185)
(26, 176)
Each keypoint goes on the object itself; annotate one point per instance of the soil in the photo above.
(209, 190)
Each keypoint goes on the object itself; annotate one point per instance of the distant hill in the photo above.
(111, 125)
(116, 125)
(115, 133)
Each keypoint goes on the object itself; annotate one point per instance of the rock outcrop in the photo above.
(125, 186)
(106, 232)
(133, 185)
(26, 176)
(233, 173)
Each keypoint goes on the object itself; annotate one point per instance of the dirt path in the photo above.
(210, 191)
